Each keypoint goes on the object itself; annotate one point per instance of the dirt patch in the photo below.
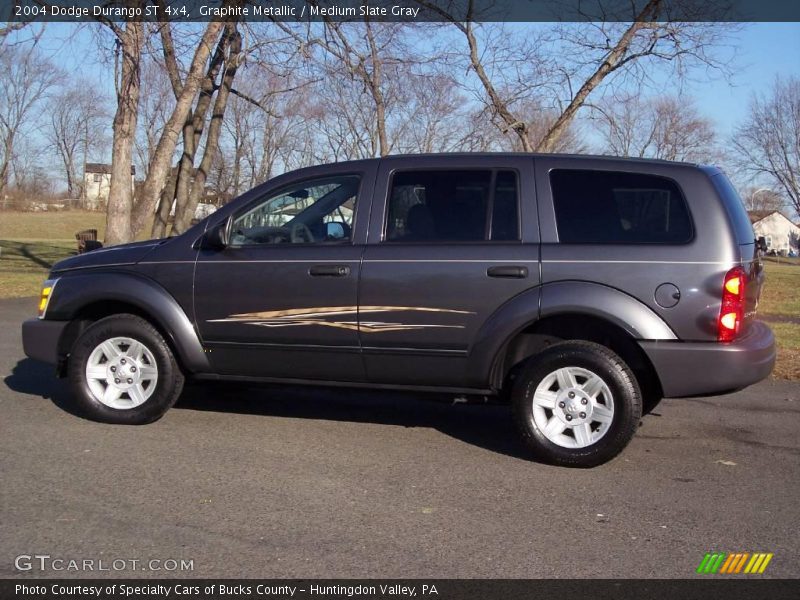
(769, 318)
(788, 364)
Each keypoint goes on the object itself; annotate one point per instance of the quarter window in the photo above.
(316, 211)
(453, 206)
(609, 207)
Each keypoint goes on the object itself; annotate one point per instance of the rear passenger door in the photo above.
(450, 240)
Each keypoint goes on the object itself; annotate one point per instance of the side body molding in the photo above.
(552, 299)
(607, 303)
(74, 292)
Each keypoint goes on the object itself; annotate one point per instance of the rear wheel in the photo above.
(576, 404)
(121, 370)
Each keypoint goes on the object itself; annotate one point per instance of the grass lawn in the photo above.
(26, 257)
(57, 225)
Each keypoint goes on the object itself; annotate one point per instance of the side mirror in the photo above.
(761, 242)
(334, 230)
(217, 237)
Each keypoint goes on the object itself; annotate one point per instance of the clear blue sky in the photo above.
(765, 50)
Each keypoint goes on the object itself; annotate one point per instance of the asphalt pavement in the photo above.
(247, 481)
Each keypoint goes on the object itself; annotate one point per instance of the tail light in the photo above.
(731, 312)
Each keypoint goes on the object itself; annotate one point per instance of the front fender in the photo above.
(75, 292)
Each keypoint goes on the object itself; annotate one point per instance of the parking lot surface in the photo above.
(249, 481)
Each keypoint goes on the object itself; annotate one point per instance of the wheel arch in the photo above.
(568, 310)
(83, 299)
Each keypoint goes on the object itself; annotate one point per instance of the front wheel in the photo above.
(121, 370)
(576, 404)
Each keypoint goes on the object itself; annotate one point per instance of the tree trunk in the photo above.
(498, 104)
(162, 157)
(161, 218)
(184, 216)
(193, 130)
(120, 195)
(609, 65)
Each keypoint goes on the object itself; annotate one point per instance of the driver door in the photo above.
(280, 300)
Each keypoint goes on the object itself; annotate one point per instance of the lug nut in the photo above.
(116, 380)
(583, 415)
(130, 380)
(133, 369)
(561, 404)
(584, 401)
(113, 369)
(569, 417)
(571, 394)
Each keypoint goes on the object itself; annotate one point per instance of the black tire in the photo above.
(623, 387)
(168, 384)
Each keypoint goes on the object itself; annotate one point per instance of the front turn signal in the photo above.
(47, 293)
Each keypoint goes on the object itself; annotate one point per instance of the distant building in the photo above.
(781, 234)
(97, 183)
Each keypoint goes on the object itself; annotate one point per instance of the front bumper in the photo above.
(40, 339)
(702, 368)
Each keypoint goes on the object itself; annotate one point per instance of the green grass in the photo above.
(55, 225)
(25, 264)
(780, 295)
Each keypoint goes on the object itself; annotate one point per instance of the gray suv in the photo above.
(581, 290)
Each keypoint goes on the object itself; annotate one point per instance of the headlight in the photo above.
(47, 293)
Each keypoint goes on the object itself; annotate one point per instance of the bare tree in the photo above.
(160, 163)
(762, 199)
(372, 57)
(591, 55)
(26, 78)
(155, 106)
(768, 142)
(76, 116)
(667, 128)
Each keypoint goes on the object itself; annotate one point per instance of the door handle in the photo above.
(508, 272)
(329, 271)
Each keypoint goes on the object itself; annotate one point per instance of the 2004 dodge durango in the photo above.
(578, 289)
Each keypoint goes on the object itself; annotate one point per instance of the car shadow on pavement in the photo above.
(487, 426)
(38, 379)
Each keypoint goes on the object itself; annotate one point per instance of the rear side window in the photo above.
(735, 207)
(453, 206)
(610, 207)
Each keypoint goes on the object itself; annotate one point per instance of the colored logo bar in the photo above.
(734, 563)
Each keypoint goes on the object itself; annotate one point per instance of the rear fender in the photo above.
(552, 299)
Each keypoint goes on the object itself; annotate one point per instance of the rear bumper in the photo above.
(702, 368)
(40, 339)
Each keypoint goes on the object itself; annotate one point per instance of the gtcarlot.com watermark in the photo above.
(46, 562)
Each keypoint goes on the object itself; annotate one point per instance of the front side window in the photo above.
(609, 207)
(452, 206)
(315, 211)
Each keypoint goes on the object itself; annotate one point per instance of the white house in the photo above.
(781, 234)
(97, 183)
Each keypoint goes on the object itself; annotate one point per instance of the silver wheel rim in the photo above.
(122, 373)
(573, 407)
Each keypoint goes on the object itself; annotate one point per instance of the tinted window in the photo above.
(735, 207)
(608, 207)
(452, 206)
(315, 211)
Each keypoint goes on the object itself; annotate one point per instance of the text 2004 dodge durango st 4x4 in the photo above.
(579, 288)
